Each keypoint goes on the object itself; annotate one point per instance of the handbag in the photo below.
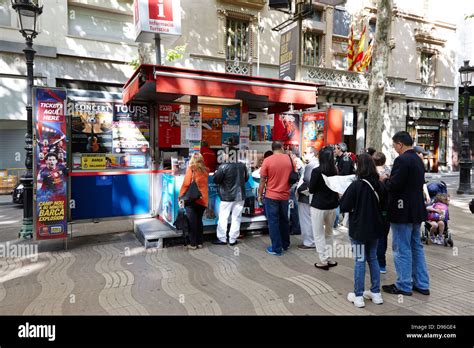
(294, 176)
(192, 193)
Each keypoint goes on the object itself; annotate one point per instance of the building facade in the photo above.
(88, 44)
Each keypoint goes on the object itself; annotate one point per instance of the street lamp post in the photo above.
(28, 12)
(466, 163)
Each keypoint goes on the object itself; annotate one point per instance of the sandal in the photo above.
(322, 266)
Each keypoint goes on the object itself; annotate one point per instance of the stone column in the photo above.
(360, 135)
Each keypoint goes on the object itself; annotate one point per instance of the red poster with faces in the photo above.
(161, 10)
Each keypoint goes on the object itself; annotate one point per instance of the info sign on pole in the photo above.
(50, 163)
(152, 17)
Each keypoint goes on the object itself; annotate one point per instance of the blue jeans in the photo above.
(295, 221)
(409, 258)
(278, 225)
(365, 251)
(336, 221)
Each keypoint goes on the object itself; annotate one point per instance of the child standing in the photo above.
(362, 200)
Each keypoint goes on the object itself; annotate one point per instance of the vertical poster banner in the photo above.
(50, 163)
(230, 126)
(314, 124)
(289, 52)
(169, 128)
(212, 125)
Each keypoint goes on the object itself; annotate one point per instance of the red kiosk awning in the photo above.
(156, 82)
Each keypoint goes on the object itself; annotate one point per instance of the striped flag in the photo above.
(364, 64)
(350, 49)
(360, 51)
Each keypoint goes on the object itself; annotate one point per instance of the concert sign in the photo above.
(50, 163)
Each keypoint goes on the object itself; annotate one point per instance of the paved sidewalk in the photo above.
(114, 274)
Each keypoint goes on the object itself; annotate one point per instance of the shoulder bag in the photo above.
(294, 176)
(192, 193)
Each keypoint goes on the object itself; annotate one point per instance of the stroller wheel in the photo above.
(450, 242)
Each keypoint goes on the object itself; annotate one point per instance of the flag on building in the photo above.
(360, 51)
(350, 49)
(364, 64)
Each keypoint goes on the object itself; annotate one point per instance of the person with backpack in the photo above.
(363, 200)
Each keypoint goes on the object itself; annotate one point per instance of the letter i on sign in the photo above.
(161, 10)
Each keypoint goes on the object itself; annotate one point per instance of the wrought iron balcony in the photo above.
(238, 67)
(349, 79)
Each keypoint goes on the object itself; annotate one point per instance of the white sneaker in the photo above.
(358, 301)
(375, 297)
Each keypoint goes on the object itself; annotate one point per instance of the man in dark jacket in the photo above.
(406, 211)
(344, 162)
(231, 178)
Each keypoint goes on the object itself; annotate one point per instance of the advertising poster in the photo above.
(287, 130)
(93, 162)
(92, 127)
(289, 52)
(119, 133)
(169, 128)
(230, 126)
(186, 122)
(131, 134)
(314, 124)
(212, 125)
(50, 156)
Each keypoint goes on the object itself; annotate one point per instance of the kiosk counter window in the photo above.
(110, 145)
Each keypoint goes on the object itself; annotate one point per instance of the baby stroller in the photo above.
(433, 189)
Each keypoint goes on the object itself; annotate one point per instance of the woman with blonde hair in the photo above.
(198, 173)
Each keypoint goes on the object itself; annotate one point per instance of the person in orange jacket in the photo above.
(198, 172)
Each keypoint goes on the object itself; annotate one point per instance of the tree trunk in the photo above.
(376, 107)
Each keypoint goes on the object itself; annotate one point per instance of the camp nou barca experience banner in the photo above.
(50, 163)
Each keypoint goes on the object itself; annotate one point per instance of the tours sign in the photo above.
(50, 163)
(151, 17)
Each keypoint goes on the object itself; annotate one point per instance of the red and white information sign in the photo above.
(156, 17)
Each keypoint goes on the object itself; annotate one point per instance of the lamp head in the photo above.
(28, 13)
(465, 73)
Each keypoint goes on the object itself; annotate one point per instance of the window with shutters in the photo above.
(237, 40)
(312, 48)
(426, 68)
(341, 22)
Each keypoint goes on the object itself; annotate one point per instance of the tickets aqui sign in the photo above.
(152, 17)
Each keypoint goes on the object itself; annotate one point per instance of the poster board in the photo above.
(50, 163)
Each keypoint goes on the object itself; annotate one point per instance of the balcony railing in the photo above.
(349, 79)
(238, 67)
